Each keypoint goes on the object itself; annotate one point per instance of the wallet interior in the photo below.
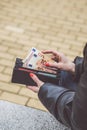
(20, 75)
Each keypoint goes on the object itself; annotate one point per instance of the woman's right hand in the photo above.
(61, 61)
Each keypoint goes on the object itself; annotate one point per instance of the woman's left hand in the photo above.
(38, 82)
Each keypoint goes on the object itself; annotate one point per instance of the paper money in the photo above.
(36, 60)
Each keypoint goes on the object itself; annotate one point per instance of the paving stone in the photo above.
(13, 98)
(1, 68)
(36, 104)
(29, 93)
(9, 87)
(4, 78)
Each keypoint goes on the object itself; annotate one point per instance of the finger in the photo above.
(50, 52)
(55, 53)
(56, 65)
(33, 88)
(35, 78)
(55, 58)
(51, 65)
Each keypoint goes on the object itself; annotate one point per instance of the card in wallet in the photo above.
(20, 74)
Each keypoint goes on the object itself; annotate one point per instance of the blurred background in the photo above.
(49, 24)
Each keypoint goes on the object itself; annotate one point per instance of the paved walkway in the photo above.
(47, 24)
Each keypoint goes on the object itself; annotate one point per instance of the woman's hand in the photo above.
(38, 82)
(61, 61)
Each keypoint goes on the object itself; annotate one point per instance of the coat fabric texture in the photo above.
(68, 106)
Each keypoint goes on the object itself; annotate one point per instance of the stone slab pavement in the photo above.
(49, 24)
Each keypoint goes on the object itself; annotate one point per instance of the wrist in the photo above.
(72, 67)
(40, 84)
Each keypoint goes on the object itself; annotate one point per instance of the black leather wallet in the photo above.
(20, 75)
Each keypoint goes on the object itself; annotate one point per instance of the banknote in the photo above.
(37, 60)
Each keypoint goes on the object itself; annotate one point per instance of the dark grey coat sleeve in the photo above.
(79, 108)
(49, 94)
(55, 98)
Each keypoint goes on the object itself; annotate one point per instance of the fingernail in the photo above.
(47, 64)
(31, 74)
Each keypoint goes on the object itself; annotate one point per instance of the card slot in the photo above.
(26, 70)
